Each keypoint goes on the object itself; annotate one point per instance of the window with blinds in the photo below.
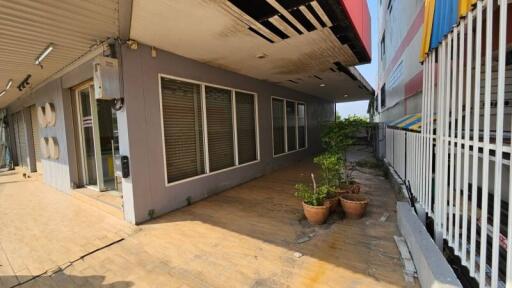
(194, 114)
(278, 126)
(301, 125)
(183, 129)
(289, 126)
(219, 116)
(246, 127)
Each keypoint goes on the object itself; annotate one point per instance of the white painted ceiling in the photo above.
(27, 27)
(216, 32)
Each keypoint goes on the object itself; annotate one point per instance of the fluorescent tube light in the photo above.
(45, 53)
(2, 93)
(9, 84)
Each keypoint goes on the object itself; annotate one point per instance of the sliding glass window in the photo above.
(288, 126)
(206, 128)
(246, 127)
(183, 129)
(301, 125)
(219, 117)
(278, 126)
(291, 126)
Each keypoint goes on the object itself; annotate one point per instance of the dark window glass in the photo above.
(219, 116)
(301, 127)
(245, 127)
(182, 123)
(278, 125)
(291, 124)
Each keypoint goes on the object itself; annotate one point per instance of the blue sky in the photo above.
(369, 71)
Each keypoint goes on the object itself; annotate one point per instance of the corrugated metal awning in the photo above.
(28, 27)
(410, 122)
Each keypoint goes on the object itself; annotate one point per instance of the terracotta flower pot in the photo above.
(352, 187)
(316, 215)
(354, 205)
(344, 189)
(355, 187)
(333, 202)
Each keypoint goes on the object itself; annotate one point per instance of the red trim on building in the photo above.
(359, 16)
(411, 33)
(414, 84)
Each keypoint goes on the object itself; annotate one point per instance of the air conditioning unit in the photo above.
(106, 78)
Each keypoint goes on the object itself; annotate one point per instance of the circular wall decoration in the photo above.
(49, 112)
(44, 147)
(53, 148)
(41, 118)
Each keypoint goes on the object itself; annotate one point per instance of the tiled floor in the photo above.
(244, 237)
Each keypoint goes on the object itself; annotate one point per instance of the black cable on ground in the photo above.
(68, 264)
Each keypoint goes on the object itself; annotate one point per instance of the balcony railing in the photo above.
(458, 165)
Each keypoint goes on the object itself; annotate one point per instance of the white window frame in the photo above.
(286, 126)
(205, 127)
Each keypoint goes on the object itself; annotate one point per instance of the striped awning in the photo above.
(439, 19)
(410, 122)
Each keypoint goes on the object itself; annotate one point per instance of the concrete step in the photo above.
(93, 200)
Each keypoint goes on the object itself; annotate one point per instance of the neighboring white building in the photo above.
(400, 73)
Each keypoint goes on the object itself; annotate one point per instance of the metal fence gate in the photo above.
(459, 165)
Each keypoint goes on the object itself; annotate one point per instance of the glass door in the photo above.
(88, 141)
(98, 139)
(109, 141)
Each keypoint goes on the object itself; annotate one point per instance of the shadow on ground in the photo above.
(61, 279)
(266, 209)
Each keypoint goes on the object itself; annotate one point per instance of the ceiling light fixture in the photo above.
(45, 53)
(2, 93)
(345, 95)
(322, 85)
(9, 84)
(23, 84)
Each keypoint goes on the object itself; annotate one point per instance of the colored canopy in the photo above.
(409, 122)
(440, 16)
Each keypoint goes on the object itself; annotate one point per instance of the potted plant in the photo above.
(316, 209)
(337, 138)
(347, 181)
(330, 166)
(354, 205)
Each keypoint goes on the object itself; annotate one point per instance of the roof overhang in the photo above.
(309, 46)
(28, 27)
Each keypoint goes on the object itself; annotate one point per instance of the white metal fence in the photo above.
(458, 166)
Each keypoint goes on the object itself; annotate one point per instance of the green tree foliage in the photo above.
(339, 136)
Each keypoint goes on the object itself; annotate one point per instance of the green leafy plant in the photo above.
(338, 137)
(330, 165)
(314, 196)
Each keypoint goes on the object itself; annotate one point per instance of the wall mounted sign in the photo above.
(49, 111)
(46, 115)
(53, 148)
(44, 147)
(41, 118)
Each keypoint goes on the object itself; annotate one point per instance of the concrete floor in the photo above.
(244, 237)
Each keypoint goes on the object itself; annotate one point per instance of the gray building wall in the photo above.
(60, 173)
(146, 188)
(140, 133)
(56, 172)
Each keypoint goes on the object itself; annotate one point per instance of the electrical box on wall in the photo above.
(122, 166)
(106, 78)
